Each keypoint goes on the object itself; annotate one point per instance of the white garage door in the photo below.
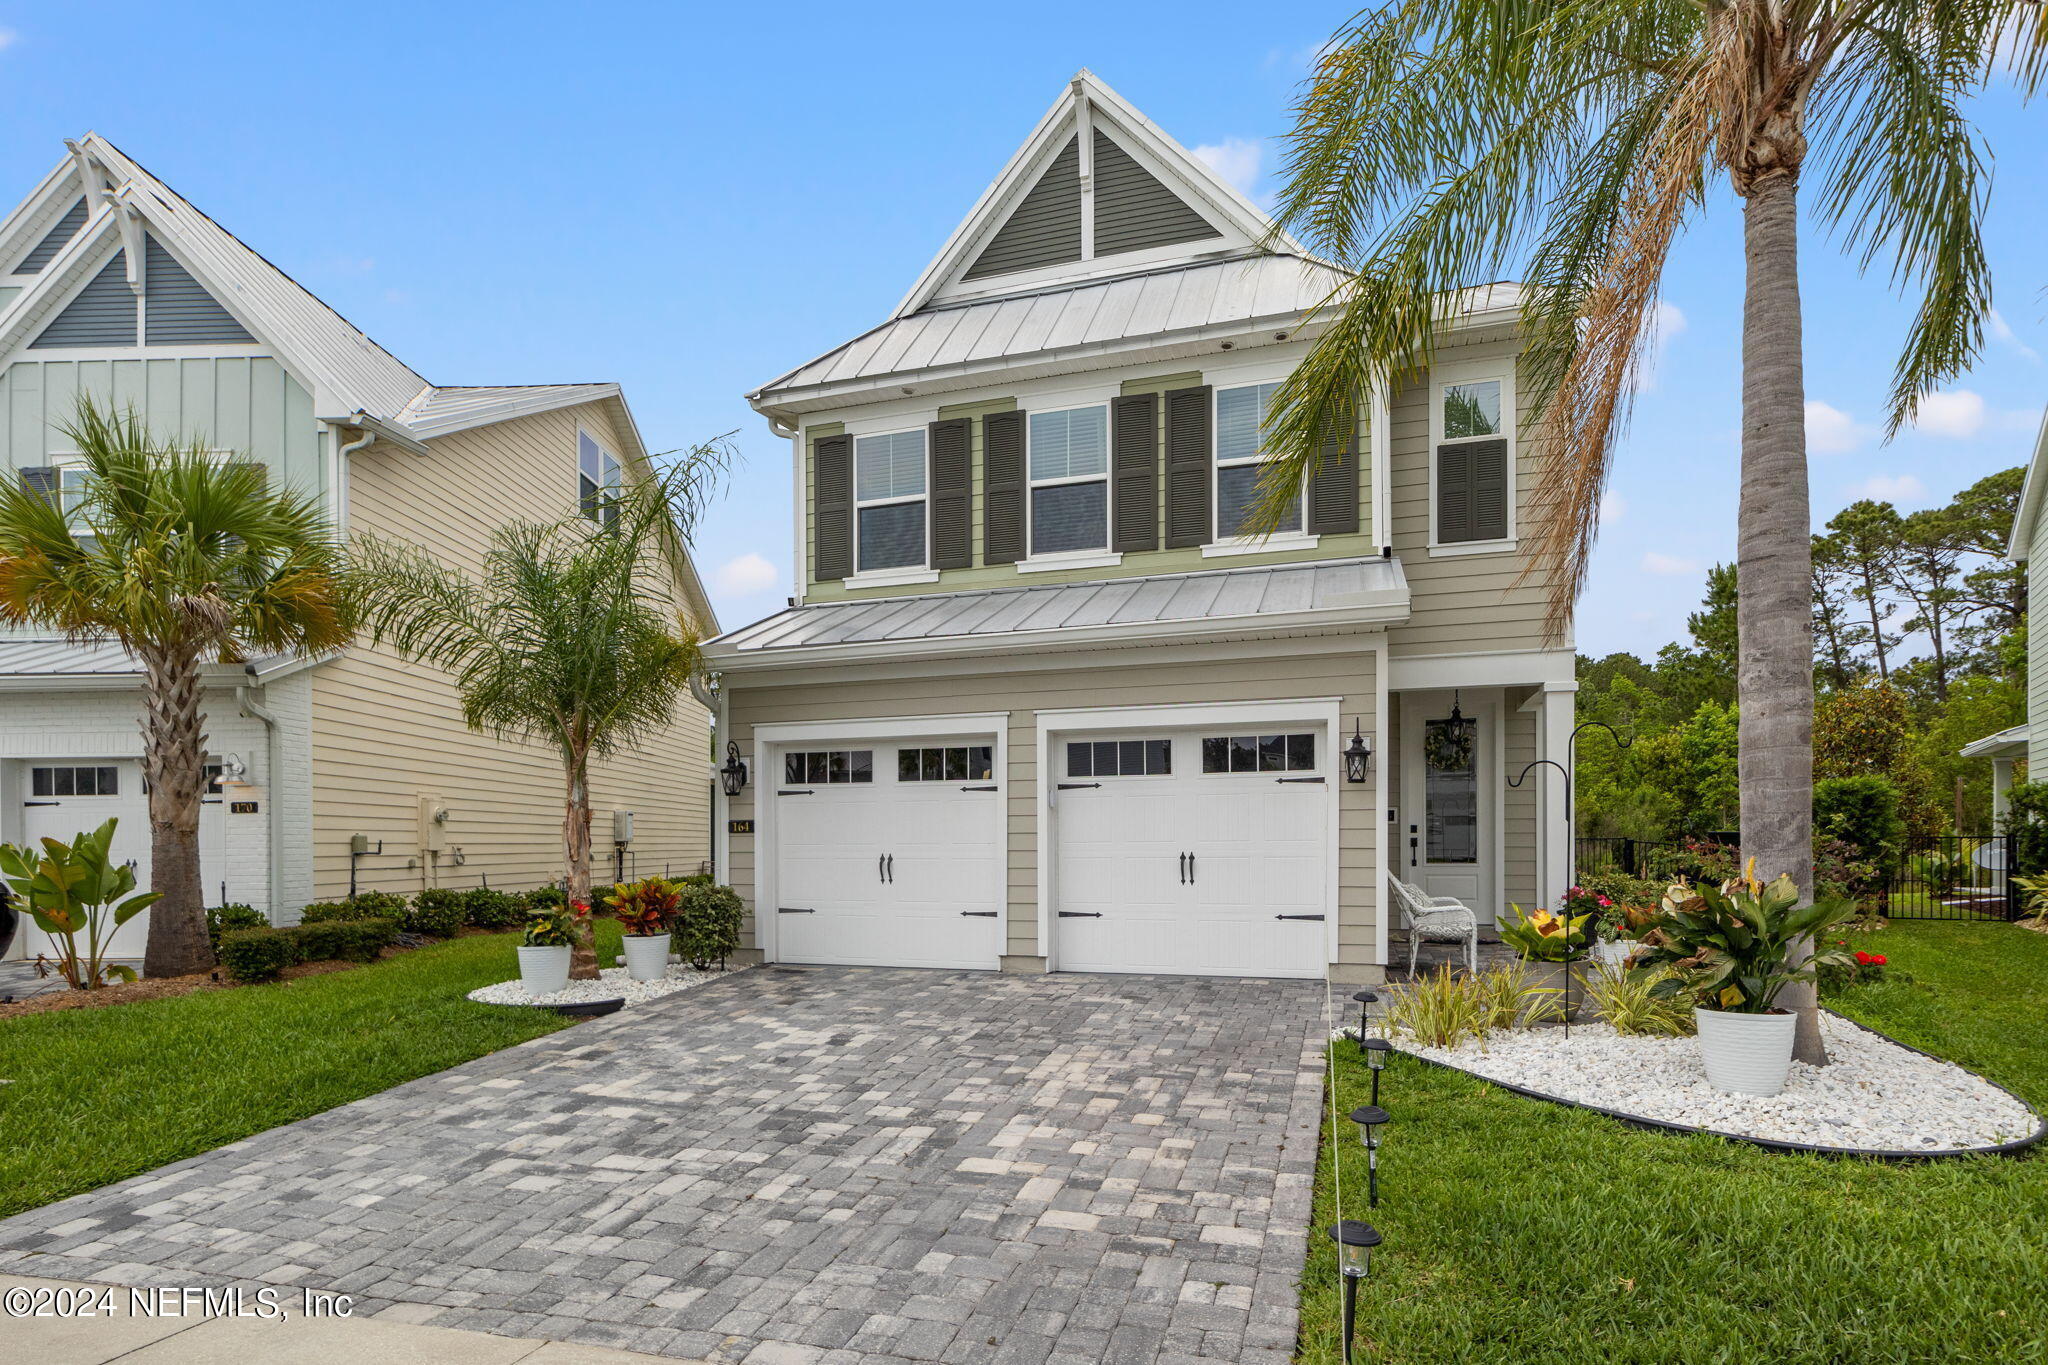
(889, 854)
(1205, 854)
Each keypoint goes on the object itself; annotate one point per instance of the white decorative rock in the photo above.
(613, 983)
(1746, 1054)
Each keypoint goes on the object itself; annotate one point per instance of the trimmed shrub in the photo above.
(1863, 812)
(435, 912)
(322, 912)
(356, 940)
(221, 919)
(549, 897)
(250, 955)
(379, 905)
(695, 879)
(708, 925)
(484, 907)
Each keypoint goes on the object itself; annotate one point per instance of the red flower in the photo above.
(1877, 959)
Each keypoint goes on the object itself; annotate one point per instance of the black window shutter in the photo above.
(952, 508)
(1454, 494)
(832, 552)
(40, 480)
(1002, 463)
(1489, 490)
(1333, 493)
(1134, 460)
(1190, 456)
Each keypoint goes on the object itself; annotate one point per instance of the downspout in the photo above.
(274, 855)
(712, 698)
(341, 455)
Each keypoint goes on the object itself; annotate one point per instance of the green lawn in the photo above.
(98, 1095)
(1522, 1231)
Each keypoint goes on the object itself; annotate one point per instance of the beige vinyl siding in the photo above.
(1106, 679)
(1471, 603)
(386, 731)
(2037, 671)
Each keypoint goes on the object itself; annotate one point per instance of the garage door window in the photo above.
(829, 766)
(951, 763)
(1120, 758)
(1259, 753)
(75, 781)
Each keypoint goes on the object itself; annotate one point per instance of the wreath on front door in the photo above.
(1447, 744)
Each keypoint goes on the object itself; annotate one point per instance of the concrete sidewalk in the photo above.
(114, 1333)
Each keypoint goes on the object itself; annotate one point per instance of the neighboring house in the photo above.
(2027, 743)
(1040, 705)
(111, 284)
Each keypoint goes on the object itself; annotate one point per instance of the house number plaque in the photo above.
(739, 827)
(241, 807)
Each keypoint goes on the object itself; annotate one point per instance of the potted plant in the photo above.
(1729, 949)
(645, 911)
(544, 950)
(1550, 944)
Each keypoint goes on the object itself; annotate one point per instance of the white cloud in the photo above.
(1237, 160)
(1613, 507)
(747, 575)
(1891, 488)
(2002, 331)
(1669, 566)
(1958, 415)
(1830, 431)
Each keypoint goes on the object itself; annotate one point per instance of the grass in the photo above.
(98, 1095)
(1522, 1231)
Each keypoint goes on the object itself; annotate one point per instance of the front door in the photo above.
(1449, 778)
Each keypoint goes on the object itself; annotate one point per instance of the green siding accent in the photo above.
(1045, 227)
(1133, 210)
(1135, 564)
(246, 404)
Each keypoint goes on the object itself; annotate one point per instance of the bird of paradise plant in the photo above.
(73, 889)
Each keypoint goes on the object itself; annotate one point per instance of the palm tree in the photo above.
(183, 558)
(1445, 144)
(570, 635)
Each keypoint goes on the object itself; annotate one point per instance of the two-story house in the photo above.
(1040, 704)
(2025, 746)
(353, 769)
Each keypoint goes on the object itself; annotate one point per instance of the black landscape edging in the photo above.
(2013, 1148)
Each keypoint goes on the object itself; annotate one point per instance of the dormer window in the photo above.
(1069, 461)
(1240, 451)
(889, 483)
(597, 480)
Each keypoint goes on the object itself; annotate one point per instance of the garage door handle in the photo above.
(981, 789)
(796, 791)
(979, 914)
(1183, 869)
(892, 869)
(879, 859)
(1073, 786)
(785, 910)
(1080, 914)
(1191, 869)
(1297, 917)
(1298, 779)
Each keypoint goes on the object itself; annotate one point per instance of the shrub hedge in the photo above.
(436, 912)
(486, 907)
(248, 955)
(251, 955)
(221, 919)
(708, 925)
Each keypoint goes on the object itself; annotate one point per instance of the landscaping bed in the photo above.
(613, 983)
(1532, 1232)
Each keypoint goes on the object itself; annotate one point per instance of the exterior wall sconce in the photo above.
(1370, 1118)
(1355, 1242)
(1357, 754)
(734, 774)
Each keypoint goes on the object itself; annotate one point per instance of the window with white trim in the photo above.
(889, 482)
(1259, 753)
(1069, 464)
(1240, 451)
(1473, 480)
(598, 479)
(75, 781)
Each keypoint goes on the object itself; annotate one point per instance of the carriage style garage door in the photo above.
(889, 853)
(1203, 853)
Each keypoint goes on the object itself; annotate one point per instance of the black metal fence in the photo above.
(1948, 877)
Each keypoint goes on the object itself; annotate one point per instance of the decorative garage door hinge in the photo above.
(1080, 914)
(785, 910)
(1297, 917)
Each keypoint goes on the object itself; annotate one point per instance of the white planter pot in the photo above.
(646, 956)
(1617, 952)
(1746, 1054)
(543, 971)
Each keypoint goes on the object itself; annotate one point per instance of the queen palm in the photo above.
(568, 634)
(184, 559)
(1445, 144)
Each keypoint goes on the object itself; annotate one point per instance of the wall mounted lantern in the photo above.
(1355, 1242)
(734, 773)
(1357, 754)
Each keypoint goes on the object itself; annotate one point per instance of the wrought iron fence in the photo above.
(1653, 858)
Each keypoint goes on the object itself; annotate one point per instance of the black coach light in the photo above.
(1357, 754)
(1370, 1118)
(734, 773)
(1355, 1242)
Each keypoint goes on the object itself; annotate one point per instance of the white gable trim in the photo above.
(1085, 102)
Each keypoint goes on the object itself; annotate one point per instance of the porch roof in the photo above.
(2010, 743)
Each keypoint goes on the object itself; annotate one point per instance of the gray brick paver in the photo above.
(832, 1166)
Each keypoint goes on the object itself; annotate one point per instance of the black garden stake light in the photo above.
(1366, 1000)
(1370, 1118)
(1376, 1050)
(1355, 1242)
(734, 774)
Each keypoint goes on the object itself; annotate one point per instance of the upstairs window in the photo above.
(597, 480)
(1474, 476)
(889, 482)
(1240, 451)
(1069, 480)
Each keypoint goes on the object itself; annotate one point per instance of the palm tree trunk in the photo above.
(1774, 566)
(174, 767)
(576, 844)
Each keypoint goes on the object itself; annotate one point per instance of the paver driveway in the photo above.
(793, 1166)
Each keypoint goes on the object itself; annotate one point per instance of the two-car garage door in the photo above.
(1200, 852)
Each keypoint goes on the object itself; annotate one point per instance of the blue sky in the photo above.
(692, 199)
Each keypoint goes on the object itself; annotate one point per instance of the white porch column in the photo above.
(2001, 785)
